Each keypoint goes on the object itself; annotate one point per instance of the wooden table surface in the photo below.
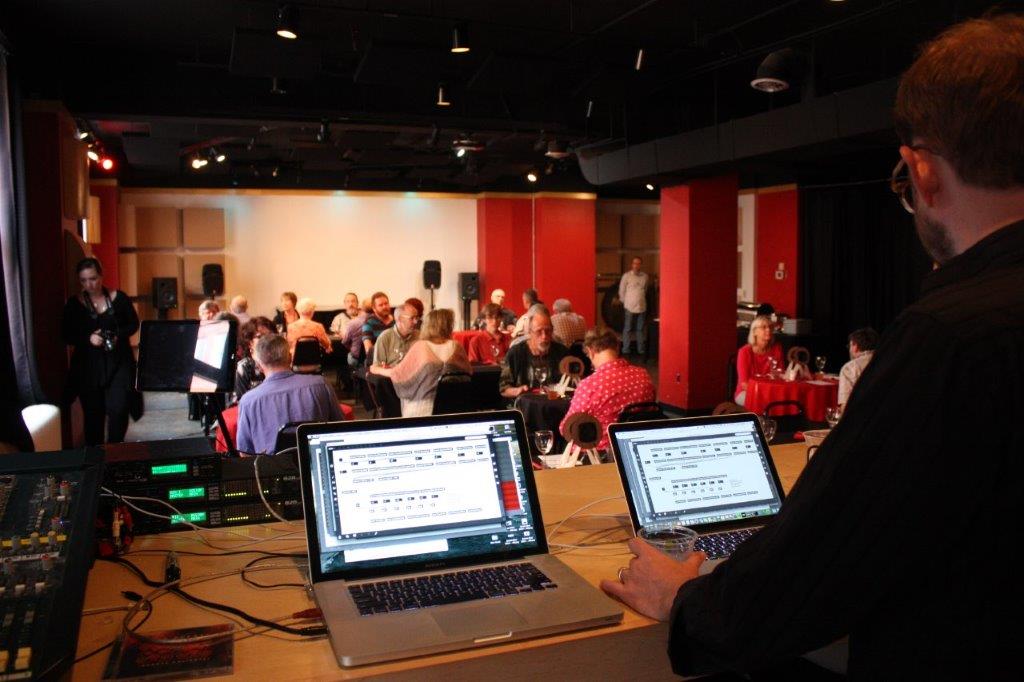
(635, 648)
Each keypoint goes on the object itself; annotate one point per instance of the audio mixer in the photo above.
(47, 509)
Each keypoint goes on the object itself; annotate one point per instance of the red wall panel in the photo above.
(566, 252)
(504, 243)
(778, 239)
(698, 292)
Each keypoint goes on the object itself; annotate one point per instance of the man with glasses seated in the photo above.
(393, 343)
(901, 533)
(532, 363)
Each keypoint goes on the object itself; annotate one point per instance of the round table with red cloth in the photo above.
(815, 395)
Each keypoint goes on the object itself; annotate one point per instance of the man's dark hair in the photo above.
(531, 296)
(962, 99)
(865, 338)
(491, 310)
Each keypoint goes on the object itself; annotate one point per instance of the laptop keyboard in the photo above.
(720, 545)
(404, 594)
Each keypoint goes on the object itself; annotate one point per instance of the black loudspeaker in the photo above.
(431, 274)
(213, 279)
(165, 293)
(469, 286)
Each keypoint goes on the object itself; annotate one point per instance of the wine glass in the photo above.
(544, 439)
(495, 351)
(774, 367)
(819, 362)
(832, 415)
(768, 426)
(542, 376)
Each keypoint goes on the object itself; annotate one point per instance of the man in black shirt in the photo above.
(900, 532)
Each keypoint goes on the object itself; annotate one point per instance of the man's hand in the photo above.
(515, 391)
(96, 339)
(650, 583)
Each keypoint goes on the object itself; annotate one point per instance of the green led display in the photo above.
(163, 469)
(185, 493)
(191, 517)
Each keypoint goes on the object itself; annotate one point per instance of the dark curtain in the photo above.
(861, 261)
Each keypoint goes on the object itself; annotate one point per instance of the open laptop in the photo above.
(713, 474)
(425, 535)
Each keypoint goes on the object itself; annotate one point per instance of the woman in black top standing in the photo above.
(98, 323)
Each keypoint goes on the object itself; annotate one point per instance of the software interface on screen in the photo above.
(412, 494)
(698, 474)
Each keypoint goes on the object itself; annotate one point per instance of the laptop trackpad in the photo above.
(483, 619)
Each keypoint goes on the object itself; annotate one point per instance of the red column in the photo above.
(778, 238)
(107, 250)
(697, 305)
(566, 251)
(504, 244)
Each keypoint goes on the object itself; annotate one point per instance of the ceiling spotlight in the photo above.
(275, 172)
(218, 156)
(639, 59)
(93, 156)
(460, 43)
(324, 133)
(107, 163)
(442, 101)
(82, 134)
(650, 187)
(549, 168)
(198, 162)
(464, 145)
(590, 107)
(778, 71)
(557, 150)
(460, 152)
(277, 87)
(531, 176)
(286, 28)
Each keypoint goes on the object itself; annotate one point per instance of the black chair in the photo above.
(286, 439)
(576, 350)
(454, 394)
(308, 357)
(786, 423)
(641, 412)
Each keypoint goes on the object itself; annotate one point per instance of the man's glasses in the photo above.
(900, 183)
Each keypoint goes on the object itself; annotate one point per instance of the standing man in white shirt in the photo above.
(862, 346)
(633, 294)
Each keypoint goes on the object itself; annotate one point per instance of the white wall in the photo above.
(323, 244)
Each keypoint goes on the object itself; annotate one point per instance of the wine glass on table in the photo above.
(832, 415)
(773, 368)
(541, 374)
(768, 426)
(544, 439)
(819, 362)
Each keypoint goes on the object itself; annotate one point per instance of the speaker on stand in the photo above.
(213, 280)
(469, 290)
(432, 277)
(165, 295)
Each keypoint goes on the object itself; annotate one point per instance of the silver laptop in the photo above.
(713, 474)
(425, 535)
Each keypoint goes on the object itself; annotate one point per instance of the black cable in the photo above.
(255, 620)
(249, 581)
(231, 553)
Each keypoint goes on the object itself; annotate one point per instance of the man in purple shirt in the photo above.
(282, 397)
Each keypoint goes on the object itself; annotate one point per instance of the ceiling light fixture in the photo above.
(93, 156)
(107, 163)
(277, 87)
(638, 64)
(557, 150)
(460, 152)
(218, 156)
(650, 187)
(549, 168)
(460, 42)
(198, 162)
(590, 107)
(286, 27)
(324, 134)
(441, 99)
(531, 176)
(82, 134)
(274, 173)
(779, 70)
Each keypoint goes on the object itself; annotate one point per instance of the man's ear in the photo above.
(924, 173)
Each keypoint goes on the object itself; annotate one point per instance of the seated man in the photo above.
(394, 342)
(508, 317)
(377, 321)
(350, 312)
(283, 397)
(490, 347)
(569, 327)
(307, 326)
(862, 346)
(614, 384)
(207, 311)
(519, 370)
(239, 307)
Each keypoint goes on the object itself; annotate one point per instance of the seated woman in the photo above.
(614, 384)
(247, 373)
(287, 313)
(530, 299)
(755, 358)
(307, 326)
(490, 347)
(435, 354)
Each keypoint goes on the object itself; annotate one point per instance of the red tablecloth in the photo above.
(814, 395)
(231, 421)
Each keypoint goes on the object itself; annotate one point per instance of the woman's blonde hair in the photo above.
(758, 321)
(438, 325)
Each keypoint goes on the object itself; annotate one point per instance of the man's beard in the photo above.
(935, 238)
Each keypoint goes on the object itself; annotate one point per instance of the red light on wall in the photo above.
(107, 163)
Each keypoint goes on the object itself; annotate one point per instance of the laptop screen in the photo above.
(701, 472)
(422, 493)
